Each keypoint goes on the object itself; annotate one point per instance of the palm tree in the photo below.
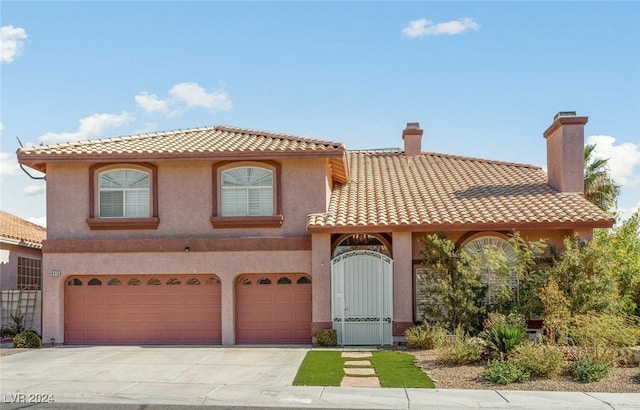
(599, 188)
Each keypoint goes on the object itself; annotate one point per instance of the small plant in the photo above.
(425, 336)
(18, 323)
(505, 372)
(503, 338)
(28, 340)
(538, 360)
(586, 371)
(637, 378)
(462, 350)
(5, 332)
(327, 337)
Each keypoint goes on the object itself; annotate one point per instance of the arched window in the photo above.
(247, 191)
(497, 262)
(123, 193)
(94, 282)
(361, 241)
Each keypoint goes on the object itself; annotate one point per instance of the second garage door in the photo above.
(163, 309)
(274, 308)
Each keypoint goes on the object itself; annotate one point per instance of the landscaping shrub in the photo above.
(587, 371)
(425, 336)
(512, 319)
(600, 338)
(462, 349)
(27, 339)
(538, 360)
(17, 325)
(5, 332)
(505, 372)
(503, 338)
(327, 337)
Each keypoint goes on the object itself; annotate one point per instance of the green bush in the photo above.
(505, 372)
(637, 378)
(6, 332)
(27, 339)
(425, 336)
(538, 360)
(17, 325)
(327, 337)
(462, 350)
(587, 371)
(503, 338)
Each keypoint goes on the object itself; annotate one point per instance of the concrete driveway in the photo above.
(146, 370)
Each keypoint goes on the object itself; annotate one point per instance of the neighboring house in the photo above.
(20, 269)
(231, 236)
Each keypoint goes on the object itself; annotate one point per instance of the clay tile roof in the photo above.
(197, 143)
(23, 232)
(435, 191)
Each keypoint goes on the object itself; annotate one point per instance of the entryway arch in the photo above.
(362, 298)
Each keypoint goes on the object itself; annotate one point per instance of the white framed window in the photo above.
(123, 193)
(495, 253)
(247, 191)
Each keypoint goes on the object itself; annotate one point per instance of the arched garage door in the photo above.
(162, 309)
(273, 308)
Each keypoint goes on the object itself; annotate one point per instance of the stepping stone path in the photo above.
(359, 376)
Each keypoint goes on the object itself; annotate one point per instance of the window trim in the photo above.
(97, 223)
(264, 221)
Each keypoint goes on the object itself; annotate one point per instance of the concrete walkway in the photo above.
(256, 377)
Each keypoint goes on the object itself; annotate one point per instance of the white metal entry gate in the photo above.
(362, 298)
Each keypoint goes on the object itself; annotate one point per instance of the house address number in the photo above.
(55, 273)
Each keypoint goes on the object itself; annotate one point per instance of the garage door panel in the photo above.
(127, 309)
(272, 313)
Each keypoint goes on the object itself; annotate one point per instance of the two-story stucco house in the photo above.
(231, 236)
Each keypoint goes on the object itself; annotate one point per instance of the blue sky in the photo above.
(484, 79)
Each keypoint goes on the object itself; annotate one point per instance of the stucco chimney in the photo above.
(412, 136)
(565, 152)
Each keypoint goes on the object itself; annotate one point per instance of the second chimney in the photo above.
(412, 136)
(565, 152)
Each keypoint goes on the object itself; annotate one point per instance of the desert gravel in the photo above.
(620, 380)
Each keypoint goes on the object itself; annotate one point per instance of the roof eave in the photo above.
(501, 226)
(38, 162)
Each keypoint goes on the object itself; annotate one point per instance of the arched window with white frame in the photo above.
(497, 264)
(247, 191)
(124, 193)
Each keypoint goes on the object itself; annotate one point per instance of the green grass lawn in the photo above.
(320, 368)
(394, 369)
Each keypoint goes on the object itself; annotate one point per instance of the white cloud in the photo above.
(151, 102)
(11, 42)
(424, 27)
(1, 128)
(624, 158)
(40, 220)
(184, 96)
(193, 95)
(8, 164)
(33, 190)
(90, 127)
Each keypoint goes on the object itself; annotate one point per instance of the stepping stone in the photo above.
(359, 371)
(360, 382)
(356, 355)
(357, 363)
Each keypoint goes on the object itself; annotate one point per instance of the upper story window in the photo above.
(247, 191)
(124, 193)
(123, 196)
(247, 194)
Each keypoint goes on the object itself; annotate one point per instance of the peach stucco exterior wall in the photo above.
(402, 277)
(321, 268)
(565, 157)
(185, 197)
(226, 265)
